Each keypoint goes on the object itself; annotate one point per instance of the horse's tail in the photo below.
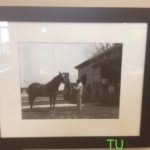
(28, 89)
(30, 96)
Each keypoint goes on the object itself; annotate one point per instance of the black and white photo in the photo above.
(50, 73)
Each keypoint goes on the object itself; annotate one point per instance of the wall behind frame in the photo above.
(80, 3)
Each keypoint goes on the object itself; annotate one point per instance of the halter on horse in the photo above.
(47, 90)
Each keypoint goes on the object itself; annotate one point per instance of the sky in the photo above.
(41, 62)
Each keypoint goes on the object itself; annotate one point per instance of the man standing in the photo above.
(79, 91)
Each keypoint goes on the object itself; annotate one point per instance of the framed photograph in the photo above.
(74, 77)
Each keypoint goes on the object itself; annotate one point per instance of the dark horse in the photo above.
(46, 90)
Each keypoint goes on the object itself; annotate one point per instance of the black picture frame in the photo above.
(88, 15)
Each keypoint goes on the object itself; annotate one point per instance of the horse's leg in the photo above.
(50, 100)
(31, 100)
(54, 100)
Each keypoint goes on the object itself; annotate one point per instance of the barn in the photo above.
(101, 75)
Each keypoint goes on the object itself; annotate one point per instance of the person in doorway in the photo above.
(78, 93)
(88, 92)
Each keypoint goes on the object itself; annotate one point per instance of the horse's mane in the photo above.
(53, 80)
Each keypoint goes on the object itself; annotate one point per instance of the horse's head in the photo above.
(64, 77)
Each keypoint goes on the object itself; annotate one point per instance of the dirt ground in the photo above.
(90, 111)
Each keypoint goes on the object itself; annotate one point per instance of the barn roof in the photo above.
(95, 58)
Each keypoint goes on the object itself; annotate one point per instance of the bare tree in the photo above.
(102, 47)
